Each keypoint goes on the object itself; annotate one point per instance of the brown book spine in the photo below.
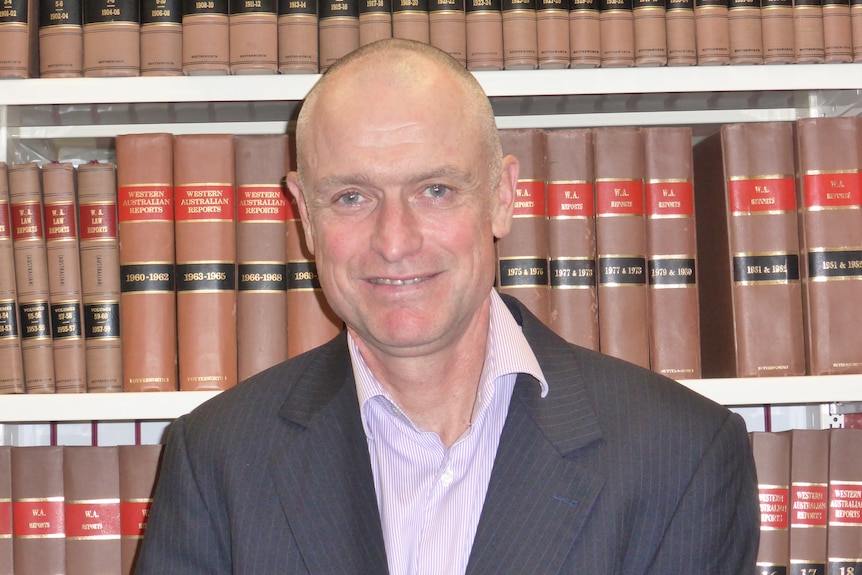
(845, 502)
(523, 254)
(616, 35)
(261, 314)
(837, 32)
(680, 25)
(552, 32)
(205, 231)
(520, 44)
(711, 32)
(671, 253)
(38, 518)
(145, 202)
(856, 29)
(19, 37)
(744, 32)
(100, 276)
(410, 20)
(6, 562)
(621, 244)
(830, 201)
(91, 483)
(447, 26)
(809, 500)
(12, 374)
(161, 37)
(112, 38)
(253, 36)
(375, 20)
(338, 30)
(585, 47)
(31, 277)
(648, 17)
(778, 27)
(772, 460)
(64, 277)
(297, 37)
(808, 32)
(61, 39)
(751, 296)
(484, 25)
(139, 467)
(206, 38)
(572, 236)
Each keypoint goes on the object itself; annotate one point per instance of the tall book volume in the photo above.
(745, 38)
(520, 44)
(206, 37)
(830, 202)
(145, 202)
(680, 25)
(61, 39)
(711, 32)
(375, 20)
(809, 500)
(410, 20)
(447, 28)
(7, 565)
(572, 236)
(837, 32)
(19, 37)
(112, 38)
(750, 293)
(205, 232)
(31, 277)
(338, 30)
(161, 37)
(845, 501)
(856, 29)
(808, 32)
(585, 47)
(12, 376)
(297, 36)
(650, 32)
(616, 35)
(484, 28)
(772, 460)
(253, 39)
(777, 26)
(139, 468)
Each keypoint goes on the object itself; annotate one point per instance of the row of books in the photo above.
(71, 38)
(77, 510)
(810, 488)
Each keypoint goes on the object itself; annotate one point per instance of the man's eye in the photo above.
(349, 198)
(437, 191)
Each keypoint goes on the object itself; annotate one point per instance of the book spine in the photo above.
(572, 236)
(856, 29)
(837, 32)
(12, 375)
(484, 28)
(648, 17)
(809, 500)
(64, 277)
(830, 201)
(38, 528)
(7, 565)
(680, 24)
(261, 314)
(19, 33)
(297, 37)
(621, 244)
(112, 38)
(338, 30)
(61, 39)
(91, 485)
(616, 35)
(779, 34)
(410, 20)
(205, 229)
(138, 470)
(585, 47)
(845, 502)
(808, 32)
(100, 276)
(253, 31)
(447, 26)
(375, 20)
(206, 37)
(744, 32)
(671, 253)
(772, 460)
(31, 277)
(711, 32)
(145, 202)
(520, 43)
(161, 37)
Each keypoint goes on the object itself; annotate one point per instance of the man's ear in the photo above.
(504, 197)
(295, 190)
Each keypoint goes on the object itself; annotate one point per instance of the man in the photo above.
(446, 431)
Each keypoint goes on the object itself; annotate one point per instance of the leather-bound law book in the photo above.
(64, 277)
(837, 31)
(523, 254)
(845, 501)
(711, 32)
(253, 36)
(585, 47)
(830, 202)
(375, 20)
(112, 38)
(744, 32)
(297, 37)
(100, 276)
(772, 459)
(31, 277)
(484, 26)
(206, 37)
(61, 39)
(671, 253)
(12, 375)
(777, 26)
(617, 34)
(520, 44)
(145, 202)
(410, 20)
(161, 37)
(572, 236)
(808, 32)
(552, 32)
(19, 37)
(6, 563)
(621, 244)
(38, 514)
(338, 30)
(809, 500)
(856, 29)
(91, 484)
(650, 32)
(750, 293)
(139, 468)
(205, 228)
(261, 229)
(447, 27)
(680, 25)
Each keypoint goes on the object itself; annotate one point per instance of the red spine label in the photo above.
(261, 204)
(571, 200)
(98, 221)
(93, 519)
(766, 195)
(825, 191)
(27, 222)
(133, 517)
(809, 505)
(669, 199)
(147, 203)
(845, 503)
(213, 202)
(5, 518)
(5, 228)
(60, 222)
(619, 198)
(774, 506)
(40, 518)
(530, 199)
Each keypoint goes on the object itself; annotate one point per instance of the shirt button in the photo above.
(447, 477)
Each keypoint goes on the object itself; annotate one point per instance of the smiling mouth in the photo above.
(394, 282)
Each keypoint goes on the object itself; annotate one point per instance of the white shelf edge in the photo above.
(666, 118)
(112, 130)
(779, 390)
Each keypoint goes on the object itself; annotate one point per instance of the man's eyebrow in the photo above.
(441, 172)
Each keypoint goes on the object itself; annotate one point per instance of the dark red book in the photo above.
(139, 469)
(772, 459)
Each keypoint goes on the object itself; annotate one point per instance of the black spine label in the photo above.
(208, 276)
(836, 3)
(409, 6)
(671, 272)
(572, 273)
(711, 3)
(523, 272)
(35, 320)
(773, 268)
(262, 277)
(648, 4)
(253, 6)
(828, 265)
(101, 11)
(302, 276)
(8, 320)
(483, 6)
(732, 4)
(161, 12)
(446, 5)
(606, 5)
(348, 9)
(375, 6)
(779, 3)
(303, 7)
(680, 4)
(193, 7)
(13, 12)
(66, 320)
(622, 270)
(518, 5)
(60, 13)
(147, 278)
(102, 320)
(846, 567)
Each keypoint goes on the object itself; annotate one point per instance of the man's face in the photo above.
(402, 214)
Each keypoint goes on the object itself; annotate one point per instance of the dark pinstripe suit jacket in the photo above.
(617, 470)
